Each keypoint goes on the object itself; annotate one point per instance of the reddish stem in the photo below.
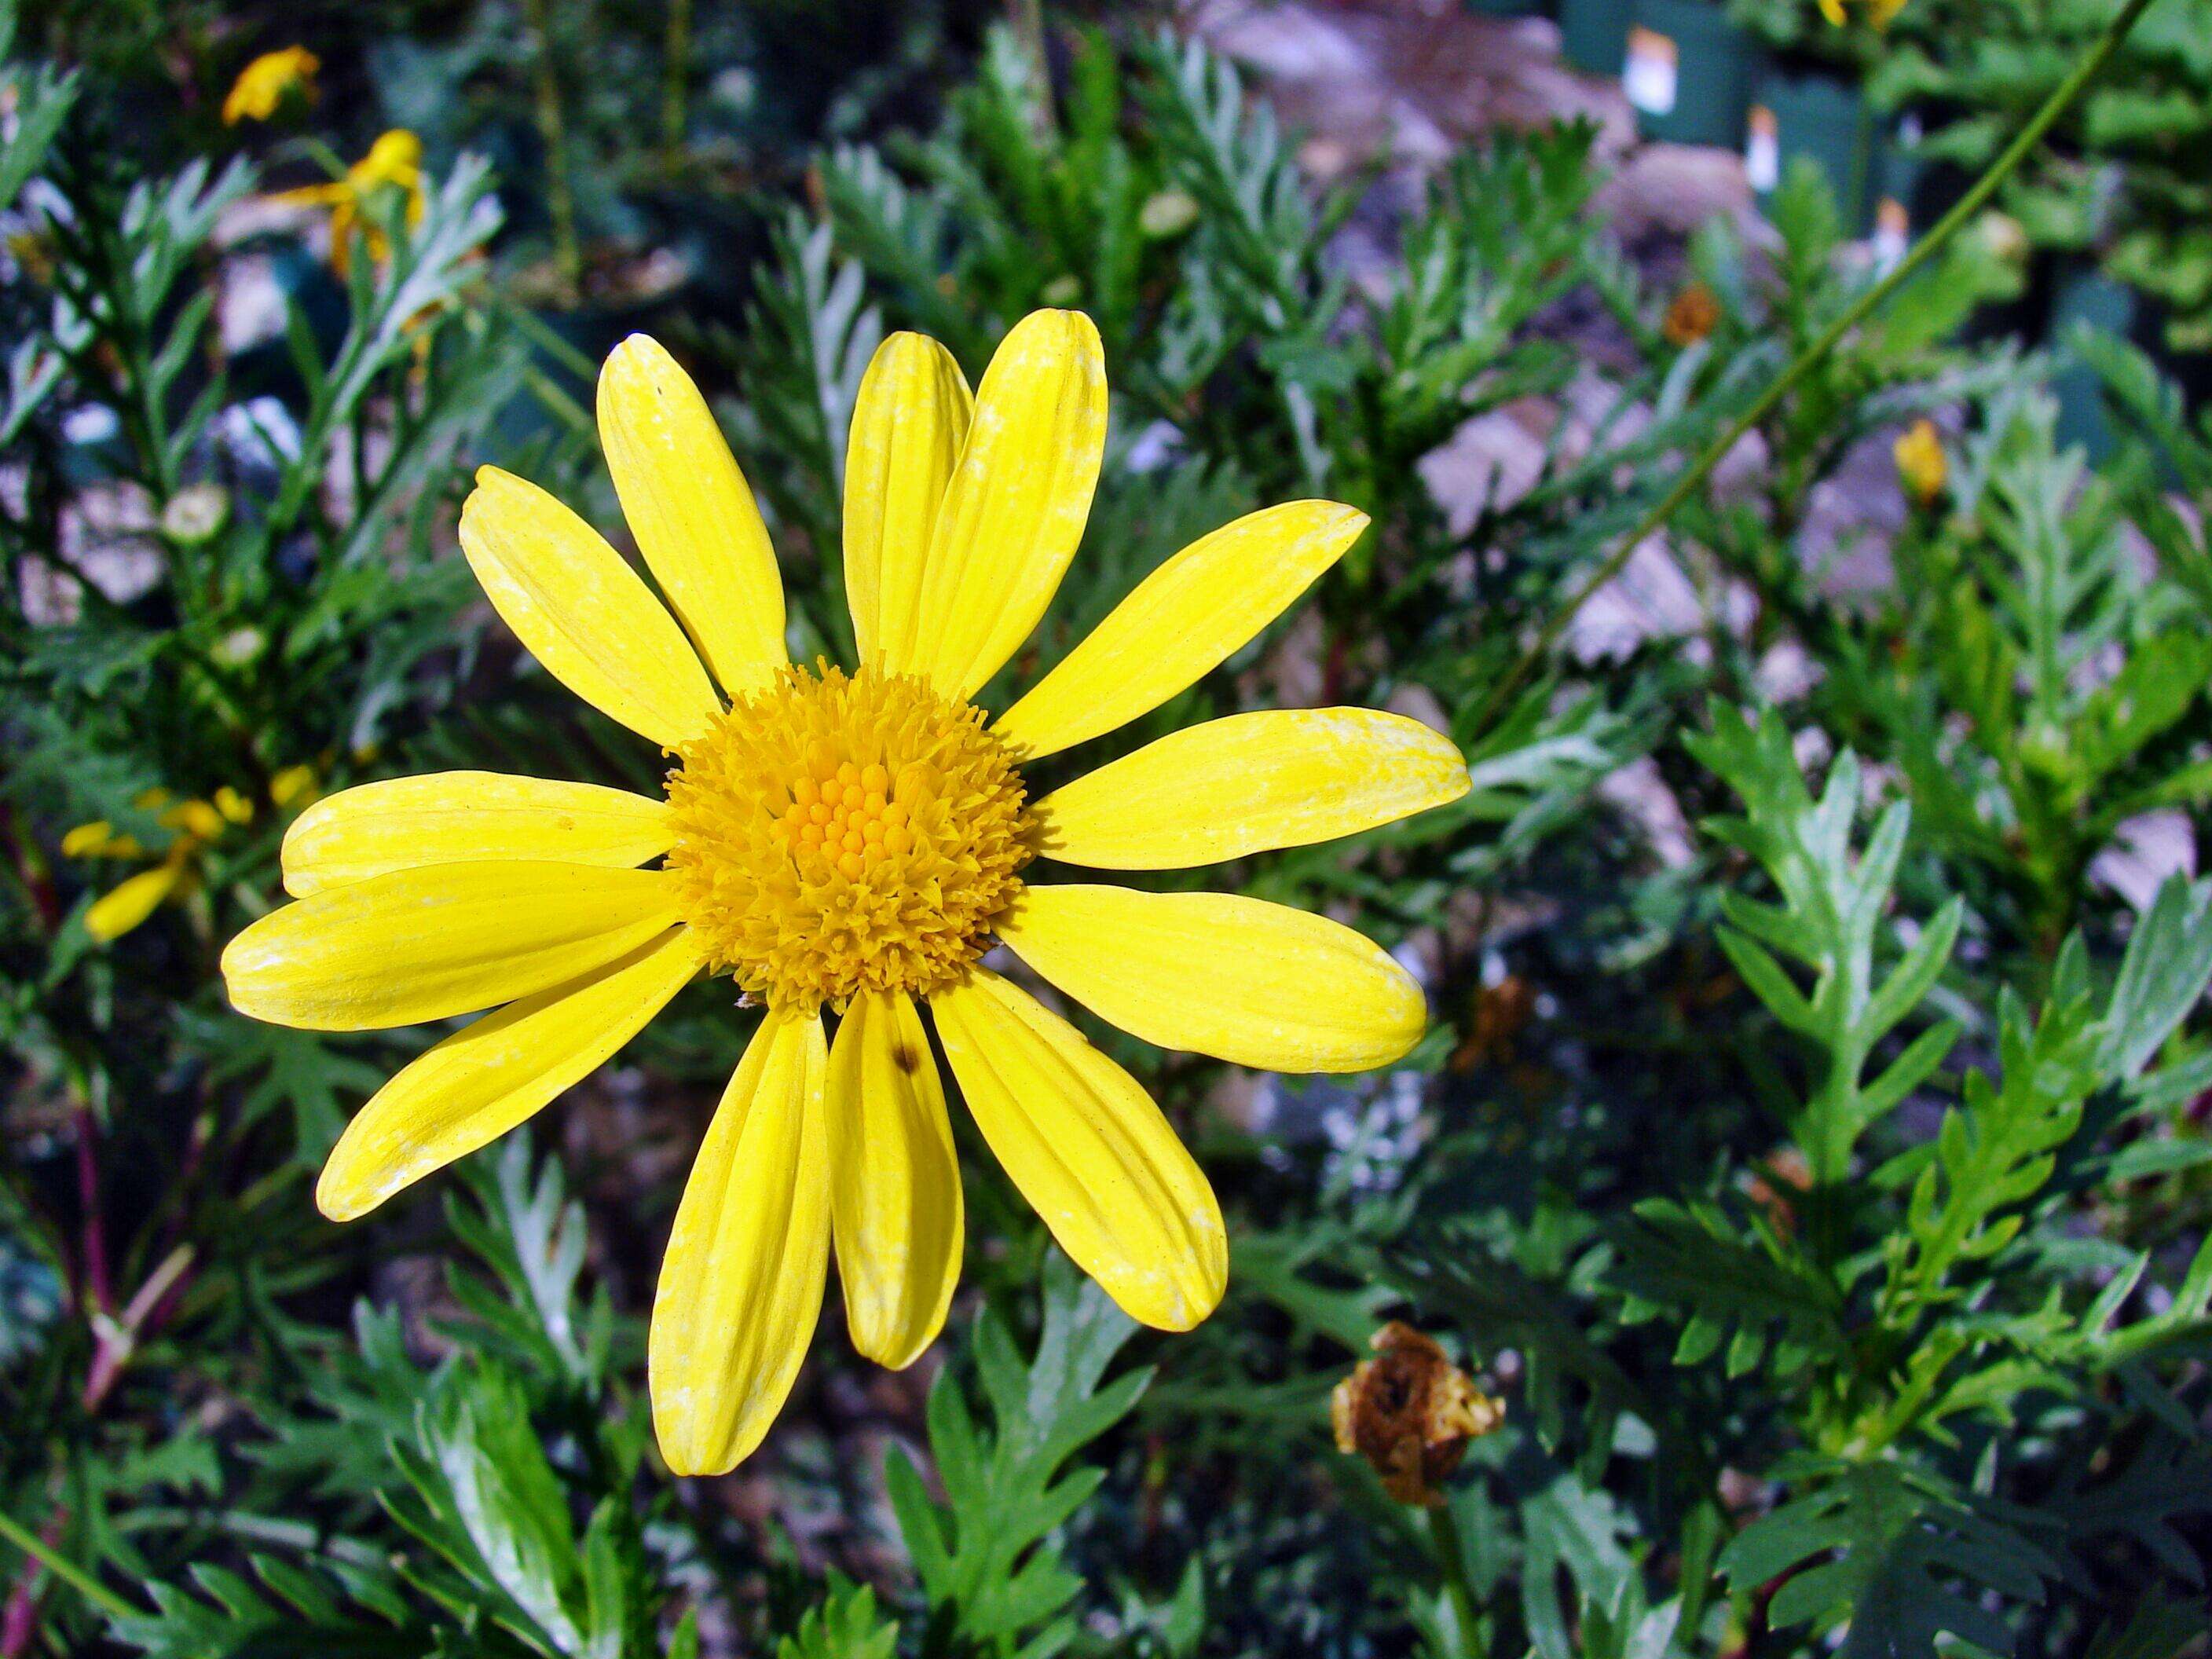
(20, 1621)
(94, 1296)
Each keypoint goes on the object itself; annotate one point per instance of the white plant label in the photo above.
(1892, 233)
(1650, 76)
(1762, 150)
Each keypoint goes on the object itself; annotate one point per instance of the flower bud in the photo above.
(195, 514)
(1921, 467)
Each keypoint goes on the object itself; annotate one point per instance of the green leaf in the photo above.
(2162, 978)
(492, 1505)
(1902, 1559)
(1828, 924)
(845, 1624)
(1693, 1259)
(985, 1557)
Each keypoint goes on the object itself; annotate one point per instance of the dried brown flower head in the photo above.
(1410, 1413)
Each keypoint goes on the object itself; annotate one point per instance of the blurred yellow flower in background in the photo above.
(1879, 13)
(295, 786)
(1921, 466)
(194, 826)
(854, 842)
(263, 84)
(394, 161)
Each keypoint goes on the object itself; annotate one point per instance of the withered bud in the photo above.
(1410, 1413)
(1495, 1017)
(1691, 315)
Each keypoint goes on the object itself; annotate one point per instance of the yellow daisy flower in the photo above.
(852, 843)
(263, 85)
(394, 161)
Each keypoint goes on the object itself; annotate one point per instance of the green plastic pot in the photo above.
(1689, 71)
(1593, 33)
(1822, 119)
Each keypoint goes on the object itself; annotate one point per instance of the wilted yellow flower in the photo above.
(394, 161)
(853, 842)
(1921, 466)
(263, 85)
(1411, 1413)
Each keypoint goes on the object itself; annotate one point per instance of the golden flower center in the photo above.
(840, 833)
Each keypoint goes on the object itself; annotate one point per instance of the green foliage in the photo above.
(845, 1626)
(2126, 184)
(1988, 676)
(1872, 1543)
(994, 1581)
(1828, 922)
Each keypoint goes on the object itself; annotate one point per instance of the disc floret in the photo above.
(839, 833)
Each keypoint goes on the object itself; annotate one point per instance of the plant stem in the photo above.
(1850, 317)
(1026, 19)
(675, 74)
(64, 1568)
(552, 133)
(1451, 1559)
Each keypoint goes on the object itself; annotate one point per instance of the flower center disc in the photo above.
(840, 833)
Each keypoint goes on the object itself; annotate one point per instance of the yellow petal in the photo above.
(908, 424)
(1088, 1150)
(1182, 621)
(417, 945)
(113, 914)
(89, 840)
(894, 1180)
(480, 1082)
(1248, 782)
(692, 513)
(741, 1285)
(1240, 979)
(1015, 508)
(584, 614)
(454, 817)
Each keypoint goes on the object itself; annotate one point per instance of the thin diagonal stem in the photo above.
(64, 1568)
(2061, 97)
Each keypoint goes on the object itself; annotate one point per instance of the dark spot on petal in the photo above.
(903, 1056)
